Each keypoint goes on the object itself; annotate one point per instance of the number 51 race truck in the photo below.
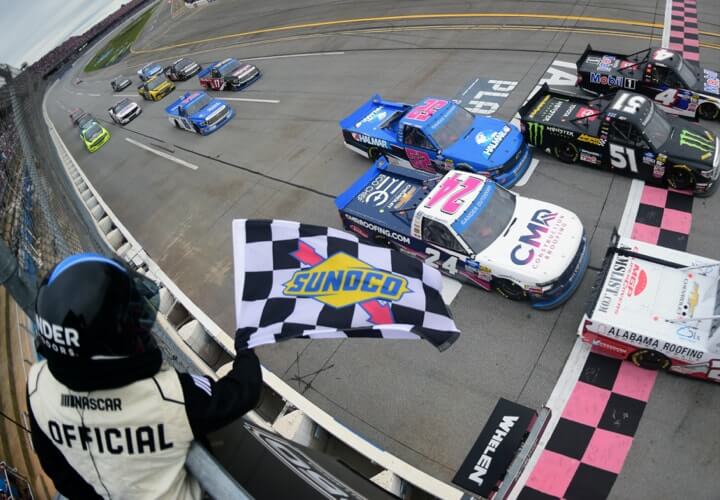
(437, 135)
(471, 228)
(657, 307)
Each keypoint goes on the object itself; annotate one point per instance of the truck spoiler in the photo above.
(546, 90)
(381, 165)
(629, 57)
(206, 70)
(350, 121)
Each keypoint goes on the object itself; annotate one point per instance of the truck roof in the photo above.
(643, 286)
(567, 111)
(184, 100)
(605, 62)
(387, 195)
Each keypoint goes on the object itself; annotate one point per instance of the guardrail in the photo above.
(198, 339)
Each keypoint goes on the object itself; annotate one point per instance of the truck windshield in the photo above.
(657, 129)
(230, 68)
(686, 74)
(490, 223)
(454, 128)
(155, 82)
(197, 105)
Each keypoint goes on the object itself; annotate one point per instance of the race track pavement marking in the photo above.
(684, 35)
(245, 99)
(528, 173)
(592, 438)
(586, 451)
(161, 154)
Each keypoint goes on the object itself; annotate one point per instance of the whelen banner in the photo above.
(495, 448)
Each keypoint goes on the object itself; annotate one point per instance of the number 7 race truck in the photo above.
(657, 307)
(437, 135)
(624, 133)
(679, 86)
(472, 229)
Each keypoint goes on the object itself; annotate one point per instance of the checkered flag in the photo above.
(296, 280)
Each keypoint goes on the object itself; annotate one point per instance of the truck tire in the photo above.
(681, 177)
(650, 360)
(508, 289)
(374, 154)
(566, 152)
(708, 111)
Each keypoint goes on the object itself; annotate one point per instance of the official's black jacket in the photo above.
(121, 428)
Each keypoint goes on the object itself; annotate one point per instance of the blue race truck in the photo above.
(436, 135)
(199, 113)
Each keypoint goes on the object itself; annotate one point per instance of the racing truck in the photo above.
(124, 111)
(657, 307)
(155, 88)
(437, 135)
(182, 69)
(78, 117)
(624, 133)
(472, 229)
(149, 71)
(228, 74)
(93, 135)
(679, 86)
(199, 113)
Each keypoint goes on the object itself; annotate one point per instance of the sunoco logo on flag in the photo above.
(342, 280)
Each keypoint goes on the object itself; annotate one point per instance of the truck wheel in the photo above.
(177, 125)
(508, 289)
(681, 177)
(708, 111)
(566, 152)
(374, 154)
(650, 360)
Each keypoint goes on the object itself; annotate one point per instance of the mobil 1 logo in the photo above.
(484, 97)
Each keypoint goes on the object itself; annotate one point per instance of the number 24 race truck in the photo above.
(472, 229)
(437, 135)
(624, 133)
(679, 86)
(657, 307)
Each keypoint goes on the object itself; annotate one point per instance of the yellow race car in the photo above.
(156, 88)
(94, 135)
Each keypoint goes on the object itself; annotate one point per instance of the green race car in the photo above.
(94, 135)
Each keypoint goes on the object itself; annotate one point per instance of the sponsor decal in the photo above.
(425, 110)
(659, 167)
(341, 280)
(546, 229)
(590, 157)
(589, 113)
(569, 110)
(606, 63)
(495, 139)
(625, 281)
(609, 348)
(597, 141)
(689, 297)
(649, 158)
(645, 341)
(626, 64)
(613, 81)
(476, 207)
(712, 82)
(420, 160)
(688, 333)
(384, 189)
(592, 60)
(539, 106)
(378, 229)
(372, 141)
(535, 133)
(493, 451)
(705, 144)
(377, 114)
(561, 132)
(57, 338)
(550, 111)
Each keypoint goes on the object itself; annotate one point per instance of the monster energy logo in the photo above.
(535, 131)
(705, 144)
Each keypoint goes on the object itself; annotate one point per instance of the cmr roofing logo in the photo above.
(538, 225)
(705, 144)
(341, 281)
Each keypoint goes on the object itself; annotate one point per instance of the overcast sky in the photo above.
(31, 28)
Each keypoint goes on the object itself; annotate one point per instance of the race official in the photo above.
(109, 419)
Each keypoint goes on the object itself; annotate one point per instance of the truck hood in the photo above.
(243, 70)
(691, 143)
(209, 110)
(489, 143)
(538, 246)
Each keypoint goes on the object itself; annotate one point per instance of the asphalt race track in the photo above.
(282, 156)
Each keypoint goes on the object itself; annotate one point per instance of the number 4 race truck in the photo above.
(437, 135)
(679, 86)
(658, 307)
(471, 228)
(624, 133)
